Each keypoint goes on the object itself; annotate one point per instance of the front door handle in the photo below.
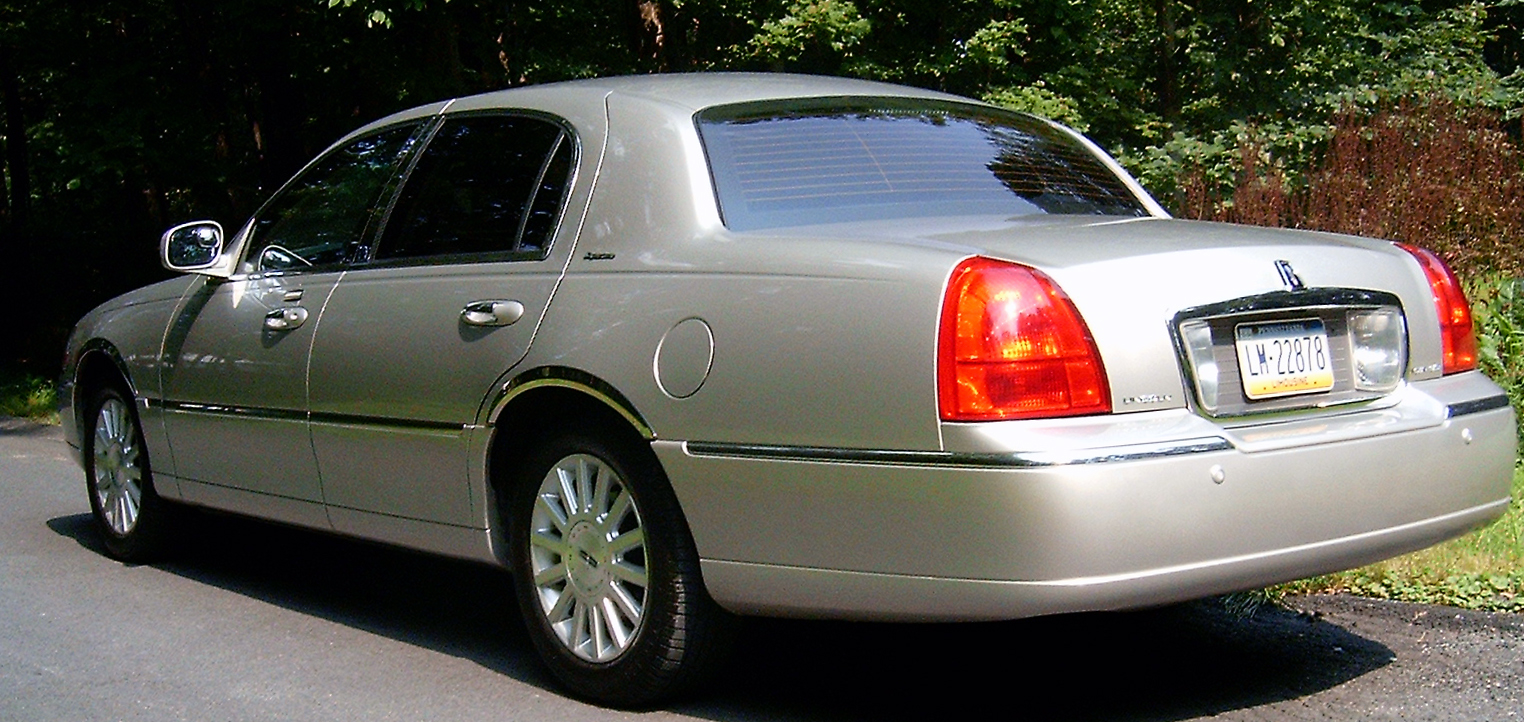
(285, 319)
(491, 313)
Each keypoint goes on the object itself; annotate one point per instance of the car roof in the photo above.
(686, 92)
(696, 91)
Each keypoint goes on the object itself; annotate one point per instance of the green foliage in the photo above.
(130, 115)
(812, 36)
(1493, 592)
(1425, 171)
(1497, 307)
(1310, 60)
(29, 397)
(1216, 160)
(1037, 99)
(1247, 604)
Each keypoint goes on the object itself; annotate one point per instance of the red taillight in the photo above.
(1012, 346)
(1459, 339)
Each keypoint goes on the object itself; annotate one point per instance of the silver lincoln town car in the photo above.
(677, 348)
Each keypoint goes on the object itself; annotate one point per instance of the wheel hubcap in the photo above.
(587, 553)
(117, 467)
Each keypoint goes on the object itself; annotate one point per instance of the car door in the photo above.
(412, 342)
(235, 361)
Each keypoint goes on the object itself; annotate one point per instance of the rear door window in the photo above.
(486, 187)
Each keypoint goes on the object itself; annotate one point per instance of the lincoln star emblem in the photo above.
(1288, 276)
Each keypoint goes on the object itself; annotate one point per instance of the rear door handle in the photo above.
(285, 319)
(491, 313)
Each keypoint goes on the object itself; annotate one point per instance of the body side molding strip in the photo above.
(1476, 406)
(1018, 460)
(292, 415)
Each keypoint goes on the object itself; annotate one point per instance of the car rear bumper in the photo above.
(1202, 508)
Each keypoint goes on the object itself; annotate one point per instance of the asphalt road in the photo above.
(259, 622)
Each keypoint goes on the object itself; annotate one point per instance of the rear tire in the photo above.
(606, 572)
(132, 520)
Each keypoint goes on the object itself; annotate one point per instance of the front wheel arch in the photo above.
(100, 366)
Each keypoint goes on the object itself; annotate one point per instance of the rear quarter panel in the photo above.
(816, 342)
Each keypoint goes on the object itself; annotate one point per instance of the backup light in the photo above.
(1376, 348)
(1198, 343)
(1455, 331)
(1012, 346)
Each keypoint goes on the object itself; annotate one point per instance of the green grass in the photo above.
(29, 397)
(1482, 570)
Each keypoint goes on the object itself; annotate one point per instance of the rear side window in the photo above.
(841, 159)
(483, 185)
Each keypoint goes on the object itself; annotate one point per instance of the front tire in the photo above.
(606, 573)
(132, 520)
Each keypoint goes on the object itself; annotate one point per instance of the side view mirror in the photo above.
(192, 247)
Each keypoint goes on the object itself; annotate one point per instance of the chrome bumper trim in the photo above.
(1019, 459)
(1476, 406)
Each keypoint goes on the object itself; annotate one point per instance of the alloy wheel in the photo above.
(117, 467)
(587, 556)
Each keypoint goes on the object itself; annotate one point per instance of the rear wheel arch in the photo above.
(536, 404)
(668, 634)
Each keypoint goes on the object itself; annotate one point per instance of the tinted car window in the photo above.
(483, 184)
(321, 217)
(839, 159)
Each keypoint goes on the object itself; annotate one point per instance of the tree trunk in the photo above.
(15, 140)
(648, 26)
(278, 109)
(1169, 75)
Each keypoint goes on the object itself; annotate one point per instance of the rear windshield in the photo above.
(827, 160)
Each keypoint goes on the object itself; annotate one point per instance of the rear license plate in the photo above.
(1283, 358)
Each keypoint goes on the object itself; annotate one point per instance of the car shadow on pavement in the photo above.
(454, 607)
(1178, 662)
(1172, 663)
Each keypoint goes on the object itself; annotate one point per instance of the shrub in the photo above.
(1429, 173)
(1497, 304)
(30, 397)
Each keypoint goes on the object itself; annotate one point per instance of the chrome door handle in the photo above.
(491, 313)
(285, 319)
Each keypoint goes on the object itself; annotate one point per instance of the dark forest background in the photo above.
(120, 118)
